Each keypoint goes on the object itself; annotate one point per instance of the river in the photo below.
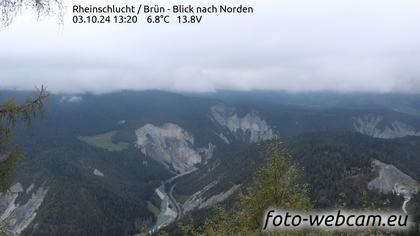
(169, 208)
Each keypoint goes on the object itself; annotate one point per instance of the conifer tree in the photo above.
(10, 113)
(277, 183)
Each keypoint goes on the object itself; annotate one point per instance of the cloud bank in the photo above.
(295, 45)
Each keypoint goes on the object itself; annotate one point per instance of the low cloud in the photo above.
(71, 99)
(286, 45)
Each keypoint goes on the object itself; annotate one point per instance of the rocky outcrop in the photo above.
(98, 173)
(224, 138)
(207, 152)
(218, 197)
(250, 127)
(198, 199)
(172, 146)
(7, 201)
(373, 126)
(392, 180)
(19, 215)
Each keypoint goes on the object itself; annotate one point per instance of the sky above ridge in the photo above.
(294, 45)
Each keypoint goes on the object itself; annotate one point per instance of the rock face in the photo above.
(392, 180)
(18, 216)
(98, 173)
(198, 200)
(218, 197)
(251, 127)
(207, 152)
(371, 125)
(172, 146)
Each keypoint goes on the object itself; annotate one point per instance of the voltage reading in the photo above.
(189, 19)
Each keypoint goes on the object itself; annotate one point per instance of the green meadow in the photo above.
(104, 141)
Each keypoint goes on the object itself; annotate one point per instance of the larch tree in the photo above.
(9, 9)
(10, 112)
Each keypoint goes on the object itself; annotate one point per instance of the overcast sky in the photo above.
(296, 45)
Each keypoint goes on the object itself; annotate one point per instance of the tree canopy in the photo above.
(277, 183)
(10, 112)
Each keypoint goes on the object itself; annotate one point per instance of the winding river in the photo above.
(169, 208)
(168, 211)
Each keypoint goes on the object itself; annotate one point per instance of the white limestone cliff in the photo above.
(172, 146)
(371, 125)
(250, 127)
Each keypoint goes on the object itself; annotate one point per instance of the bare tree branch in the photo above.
(10, 8)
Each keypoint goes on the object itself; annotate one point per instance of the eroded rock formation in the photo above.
(199, 200)
(172, 146)
(373, 126)
(392, 180)
(98, 173)
(18, 215)
(250, 127)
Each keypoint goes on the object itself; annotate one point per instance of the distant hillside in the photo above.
(102, 157)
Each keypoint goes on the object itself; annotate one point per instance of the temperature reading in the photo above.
(189, 19)
(158, 19)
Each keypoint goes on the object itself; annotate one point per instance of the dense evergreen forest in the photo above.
(317, 139)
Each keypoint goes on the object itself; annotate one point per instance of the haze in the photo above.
(294, 45)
